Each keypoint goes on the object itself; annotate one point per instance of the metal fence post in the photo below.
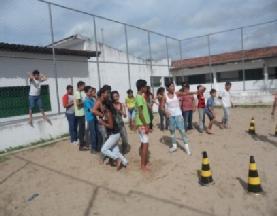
(210, 60)
(150, 51)
(242, 57)
(167, 54)
(54, 56)
(102, 38)
(127, 55)
(180, 49)
(96, 49)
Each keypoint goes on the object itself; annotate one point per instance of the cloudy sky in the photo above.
(27, 22)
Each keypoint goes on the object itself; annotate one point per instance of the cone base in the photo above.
(251, 132)
(256, 189)
(205, 181)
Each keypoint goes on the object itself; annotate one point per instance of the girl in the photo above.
(130, 103)
(110, 147)
(119, 107)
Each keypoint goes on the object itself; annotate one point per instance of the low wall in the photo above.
(21, 133)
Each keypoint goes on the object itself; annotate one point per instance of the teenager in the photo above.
(35, 79)
(161, 101)
(225, 97)
(130, 103)
(176, 121)
(201, 107)
(209, 110)
(79, 98)
(142, 122)
(68, 103)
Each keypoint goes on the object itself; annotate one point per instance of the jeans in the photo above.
(81, 125)
(93, 132)
(162, 119)
(124, 138)
(102, 134)
(201, 112)
(226, 116)
(111, 149)
(187, 115)
(72, 123)
(177, 122)
(151, 116)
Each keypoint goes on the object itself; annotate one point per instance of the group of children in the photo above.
(100, 115)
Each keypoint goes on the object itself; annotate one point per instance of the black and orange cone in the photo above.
(252, 129)
(254, 182)
(206, 174)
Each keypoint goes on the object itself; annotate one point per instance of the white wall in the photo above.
(15, 67)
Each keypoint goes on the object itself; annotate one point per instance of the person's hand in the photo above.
(147, 129)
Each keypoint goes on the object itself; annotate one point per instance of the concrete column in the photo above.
(265, 77)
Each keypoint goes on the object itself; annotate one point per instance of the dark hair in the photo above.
(228, 83)
(212, 91)
(35, 72)
(109, 88)
(160, 90)
(93, 89)
(69, 87)
(109, 106)
(87, 88)
(169, 83)
(140, 84)
(80, 83)
(198, 87)
(113, 93)
(130, 91)
(185, 83)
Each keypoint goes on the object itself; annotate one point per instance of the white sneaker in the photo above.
(186, 146)
(76, 142)
(173, 148)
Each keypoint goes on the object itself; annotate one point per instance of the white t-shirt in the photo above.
(35, 86)
(226, 99)
(173, 105)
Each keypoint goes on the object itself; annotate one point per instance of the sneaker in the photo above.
(173, 148)
(186, 147)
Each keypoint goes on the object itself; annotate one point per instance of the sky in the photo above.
(27, 22)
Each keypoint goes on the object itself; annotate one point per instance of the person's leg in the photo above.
(172, 129)
(70, 119)
(116, 150)
(161, 119)
(82, 129)
(109, 144)
(124, 138)
(144, 140)
(39, 104)
(31, 106)
(190, 119)
(185, 117)
(180, 126)
(151, 118)
(224, 119)
(201, 126)
(227, 111)
(75, 128)
(93, 136)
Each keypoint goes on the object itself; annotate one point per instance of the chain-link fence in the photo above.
(128, 52)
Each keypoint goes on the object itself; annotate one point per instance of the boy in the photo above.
(188, 106)
(226, 103)
(201, 107)
(176, 121)
(91, 119)
(142, 122)
(35, 79)
(68, 103)
(79, 98)
(274, 105)
(210, 110)
(130, 103)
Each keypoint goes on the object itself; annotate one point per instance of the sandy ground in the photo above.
(69, 182)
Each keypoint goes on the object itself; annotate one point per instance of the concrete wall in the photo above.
(15, 67)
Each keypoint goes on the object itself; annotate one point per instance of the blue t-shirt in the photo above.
(88, 105)
(210, 104)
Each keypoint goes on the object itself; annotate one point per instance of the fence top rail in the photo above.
(105, 18)
(231, 29)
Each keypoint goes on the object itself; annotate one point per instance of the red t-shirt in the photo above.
(201, 100)
(187, 102)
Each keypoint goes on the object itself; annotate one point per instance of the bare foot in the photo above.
(31, 123)
(118, 164)
(209, 132)
(145, 169)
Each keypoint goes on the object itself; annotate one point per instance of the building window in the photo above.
(200, 79)
(231, 76)
(155, 81)
(14, 100)
(254, 74)
(272, 73)
(167, 80)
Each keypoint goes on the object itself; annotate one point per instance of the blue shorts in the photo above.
(209, 114)
(35, 101)
(131, 114)
(176, 122)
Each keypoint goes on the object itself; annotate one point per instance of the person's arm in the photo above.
(43, 77)
(109, 122)
(30, 76)
(123, 110)
(193, 104)
(96, 109)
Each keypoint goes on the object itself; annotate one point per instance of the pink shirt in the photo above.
(187, 102)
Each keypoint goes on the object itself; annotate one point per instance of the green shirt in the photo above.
(79, 96)
(140, 101)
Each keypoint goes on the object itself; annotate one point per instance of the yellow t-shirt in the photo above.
(131, 103)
